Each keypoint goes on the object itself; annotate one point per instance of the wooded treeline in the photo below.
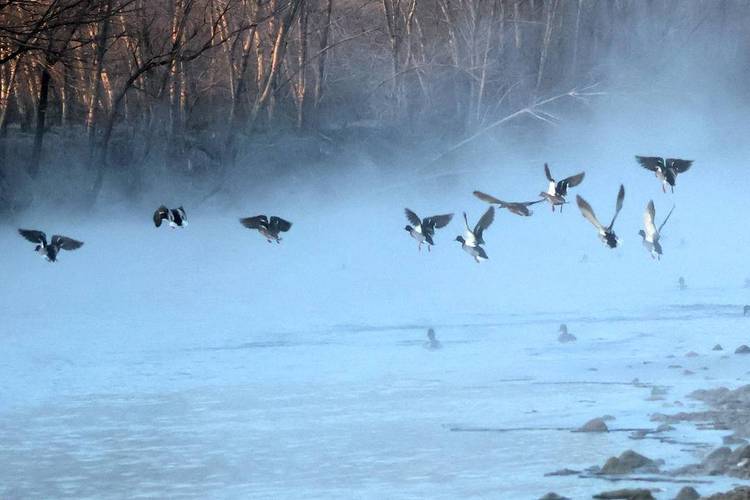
(186, 83)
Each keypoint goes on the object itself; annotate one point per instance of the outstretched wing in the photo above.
(648, 221)
(484, 223)
(588, 212)
(618, 205)
(573, 180)
(437, 221)
(279, 224)
(652, 163)
(679, 166)
(65, 243)
(488, 198)
(547, 173)
(666, 219)
(529, 203)
(255, 222)
(412, 217)
(34, 236)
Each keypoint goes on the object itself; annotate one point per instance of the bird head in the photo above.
(563, 328)
(642, 233)
(408, 228)
(460, 239)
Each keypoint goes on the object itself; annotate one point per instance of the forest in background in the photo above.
(107, 95)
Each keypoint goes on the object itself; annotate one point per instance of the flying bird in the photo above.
(650, 234)
(606, 234)
(51, 249)
(269, 228)
(423, 230)
(557, 191)
(473, 238)
(175, 216)
(517, 207)
(665, 170)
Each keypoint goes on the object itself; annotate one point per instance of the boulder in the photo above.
(594, 425)
(626, 494)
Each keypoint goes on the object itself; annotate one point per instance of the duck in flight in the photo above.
(472, 239)
(268, 228)
(665, 169)
(558, 190)
(424, 230)
(516, 207)
(606, 234)
(650, 234)
(175, 216)
(51, 249)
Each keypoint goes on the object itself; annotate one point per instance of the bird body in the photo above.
(665, 169)
(268, 228)
(473, 238)
(606, 234)
(516, 207)
(176, 217)
(650, 233)
(423, 230)
(51, 249)
(558, 190)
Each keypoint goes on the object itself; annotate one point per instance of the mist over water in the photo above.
(205, 362)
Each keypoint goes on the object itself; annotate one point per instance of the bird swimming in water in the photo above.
(424, 230)
(681, 283)
(432, 343)
(665, 170)
(51, 249)
(516, 207)
(606, 234)
(175, 216)
(564, 336)
(746, 310)
(650, 234)
(557, 191)
(473, 238)
(269, 228)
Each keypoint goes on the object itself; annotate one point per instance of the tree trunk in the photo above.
(41, 115)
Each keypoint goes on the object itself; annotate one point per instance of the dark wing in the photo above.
(160, 214)
(255, 222)
(618, 205)
(65, 243)
(279, 224)
(529, 203)
(34, 236)
(666, 219)
(572, 181)
(488, 198)
(484, 223)
(679, 166)
(413, 218)
(547, 173)
(588, 212)
(652, 163)
(480, 252)
(437, 221)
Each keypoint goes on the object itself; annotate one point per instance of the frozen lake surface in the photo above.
(147, 379)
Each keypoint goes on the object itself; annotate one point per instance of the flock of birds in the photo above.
(423, 230)
(665, 169)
